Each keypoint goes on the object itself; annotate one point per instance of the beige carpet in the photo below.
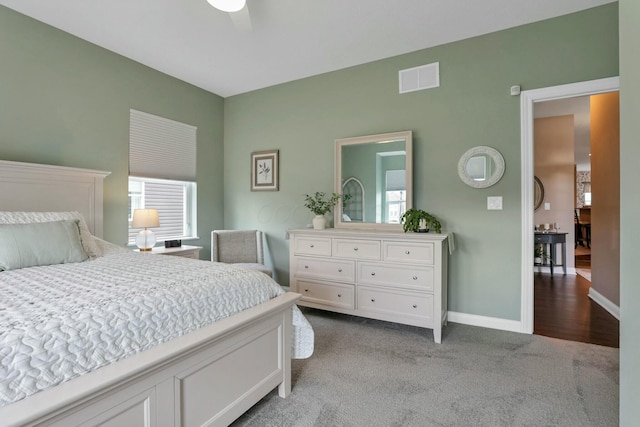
(366, 373)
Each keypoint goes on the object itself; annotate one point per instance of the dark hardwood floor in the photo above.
(563, 309)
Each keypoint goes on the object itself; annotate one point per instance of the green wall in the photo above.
(471, 107)
(64, 101)
(629, 208)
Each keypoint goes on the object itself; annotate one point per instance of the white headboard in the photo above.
(45, 188)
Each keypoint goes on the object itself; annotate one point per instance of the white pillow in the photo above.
(86, 238)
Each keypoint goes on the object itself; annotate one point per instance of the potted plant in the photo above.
(539, 255)
(320, 203)
(418, 220)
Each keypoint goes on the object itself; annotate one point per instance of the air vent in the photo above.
(418, 78)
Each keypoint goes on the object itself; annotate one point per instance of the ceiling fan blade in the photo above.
(241, 19)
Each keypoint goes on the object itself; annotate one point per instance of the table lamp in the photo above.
(145, 218)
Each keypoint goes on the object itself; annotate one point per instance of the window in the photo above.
(162, 174)
(396, 195)
(176, 204)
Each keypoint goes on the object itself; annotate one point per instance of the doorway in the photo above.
(527, 101)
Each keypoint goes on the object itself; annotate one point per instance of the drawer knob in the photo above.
(407, 252)
(373, 273)
(339, 270)
(373, 300)
(355, 249)
(306, 290)
(339, 295)
(415, 277)
(415, 305)
(311, 246)
(306, 266)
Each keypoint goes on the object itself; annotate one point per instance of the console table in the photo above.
(551, 240)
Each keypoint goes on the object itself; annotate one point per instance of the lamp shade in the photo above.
(143, 218)
(228, 5)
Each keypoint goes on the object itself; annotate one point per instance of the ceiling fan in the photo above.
(238, 12)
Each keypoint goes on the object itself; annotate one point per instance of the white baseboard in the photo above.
(556, 270)
(604, 302)
(486, 322)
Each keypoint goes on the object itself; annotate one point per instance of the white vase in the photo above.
(319, 222)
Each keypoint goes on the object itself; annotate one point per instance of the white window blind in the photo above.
(161, 148)
(396, 180)
(162, 174)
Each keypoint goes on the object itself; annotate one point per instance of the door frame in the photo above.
(527, 100)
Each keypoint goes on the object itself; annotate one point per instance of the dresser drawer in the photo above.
(356, 249)
(325, 269)
(413, 252)
(335, 294)
(419, 278)
(312, 245)
(404, 304)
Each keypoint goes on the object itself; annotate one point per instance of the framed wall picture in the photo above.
(264, 170)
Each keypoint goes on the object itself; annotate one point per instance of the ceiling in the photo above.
(288, 40)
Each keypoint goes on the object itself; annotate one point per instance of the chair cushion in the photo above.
(254, 266)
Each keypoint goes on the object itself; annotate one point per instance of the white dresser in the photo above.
(386, 275)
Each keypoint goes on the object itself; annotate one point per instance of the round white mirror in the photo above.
(481, 167)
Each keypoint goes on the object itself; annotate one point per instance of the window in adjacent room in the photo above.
(162, 174)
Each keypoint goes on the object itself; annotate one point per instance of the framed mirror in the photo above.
(481, 167)
(374, 175)
(538, 193)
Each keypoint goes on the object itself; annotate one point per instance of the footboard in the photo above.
(208, 377)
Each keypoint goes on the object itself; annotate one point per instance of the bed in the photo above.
(106, 336)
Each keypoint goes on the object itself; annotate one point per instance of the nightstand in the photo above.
(183, 251)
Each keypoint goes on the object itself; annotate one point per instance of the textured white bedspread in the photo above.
(59, 322)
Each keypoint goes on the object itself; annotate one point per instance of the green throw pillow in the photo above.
(43, 243)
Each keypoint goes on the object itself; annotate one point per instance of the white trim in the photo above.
(557, 270)
(527, 99)
(605, 303)
(484, 321)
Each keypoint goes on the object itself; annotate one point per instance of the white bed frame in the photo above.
(206, 378)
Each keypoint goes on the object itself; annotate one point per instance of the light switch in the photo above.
(547, 206)
(494, 203)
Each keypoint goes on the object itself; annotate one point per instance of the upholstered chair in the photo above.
(241, 247)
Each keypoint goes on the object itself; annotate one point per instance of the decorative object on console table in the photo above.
(184, 251)
(417, 220)
(264, 170)
(320, 204)
(385, 275)
(145, 218)
(540, 256)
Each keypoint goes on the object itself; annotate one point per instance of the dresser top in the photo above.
(372, 234)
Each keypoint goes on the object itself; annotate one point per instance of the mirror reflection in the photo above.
(477, 168)
(373, 173)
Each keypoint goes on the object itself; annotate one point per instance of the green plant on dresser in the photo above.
(417, 220)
